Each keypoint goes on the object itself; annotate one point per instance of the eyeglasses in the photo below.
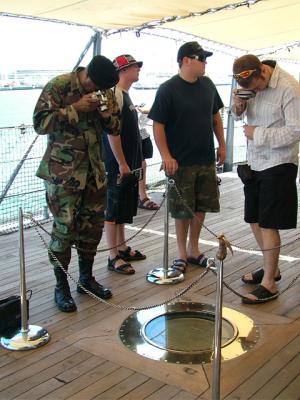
(198, 58)
(244, 74)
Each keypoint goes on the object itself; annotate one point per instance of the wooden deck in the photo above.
(85, 358)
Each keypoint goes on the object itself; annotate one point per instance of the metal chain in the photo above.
(172, 183)
(118, 306)
(36, 223)
(292, 283)
(216, 236)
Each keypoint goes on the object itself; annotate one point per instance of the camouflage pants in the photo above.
(78, 219)
(197, 184)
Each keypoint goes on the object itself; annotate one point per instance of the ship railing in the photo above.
(20, 154)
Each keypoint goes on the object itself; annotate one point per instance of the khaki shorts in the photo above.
(198, 187)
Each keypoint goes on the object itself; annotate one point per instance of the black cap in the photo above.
(102, 72)
(192, 49)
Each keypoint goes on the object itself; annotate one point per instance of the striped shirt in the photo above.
(276, 113)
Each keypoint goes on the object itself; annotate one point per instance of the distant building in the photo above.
(22, 79)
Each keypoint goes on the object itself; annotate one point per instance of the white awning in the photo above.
(251, 26)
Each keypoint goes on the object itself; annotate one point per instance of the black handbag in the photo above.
(245, 173)
(10, 313)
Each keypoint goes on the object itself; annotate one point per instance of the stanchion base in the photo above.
(34, 337)
(160, 276)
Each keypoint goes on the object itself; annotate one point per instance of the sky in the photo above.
(32, 44)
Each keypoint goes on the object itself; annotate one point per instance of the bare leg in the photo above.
(142, 182)
(194, 234)
(266, 239)
(112, 239)
(121, 237)
(270, 240)
(182, 226)
(257, 233)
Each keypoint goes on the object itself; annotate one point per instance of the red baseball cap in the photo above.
(124, 61)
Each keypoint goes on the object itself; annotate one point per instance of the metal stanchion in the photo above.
(165, 275)
(218, 335)
(30, 336)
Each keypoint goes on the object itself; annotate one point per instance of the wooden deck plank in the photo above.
(144, 390)
(291, 391)
(123, 388)
(82, 374)
(167, 392)
(259, 385)
(280, 380)
(82, 381)
(103, 384)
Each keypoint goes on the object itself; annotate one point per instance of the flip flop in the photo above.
(263, 296)
(147, 204)
(257, 277)
(126, 256)
(201, 260)
(125, 269)
(180, 265)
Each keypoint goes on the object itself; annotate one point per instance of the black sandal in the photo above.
(257, 277)
(180, 265)
(126, 256)
(262, 294)
(125, 269)
(201, 260)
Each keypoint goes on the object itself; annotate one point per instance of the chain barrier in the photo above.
(228, 242)
(224, 244)
(118, 306)
(36, 223)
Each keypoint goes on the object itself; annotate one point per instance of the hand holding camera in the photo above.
(86, 103)
(245, 94)
(101, 98)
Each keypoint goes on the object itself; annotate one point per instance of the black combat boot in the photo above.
(62, 294)
(88, 281)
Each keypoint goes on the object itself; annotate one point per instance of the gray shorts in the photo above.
(198, 187)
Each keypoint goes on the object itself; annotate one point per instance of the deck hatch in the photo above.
(184, 333)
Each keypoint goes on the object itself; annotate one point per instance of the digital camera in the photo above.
(101, 96)
(245, 94)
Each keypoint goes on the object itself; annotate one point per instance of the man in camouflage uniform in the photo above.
(74, 118)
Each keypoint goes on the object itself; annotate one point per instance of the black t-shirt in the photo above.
(186, 109)
(130, 139)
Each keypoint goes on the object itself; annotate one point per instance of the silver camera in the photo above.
(245, 94)
(100, 96)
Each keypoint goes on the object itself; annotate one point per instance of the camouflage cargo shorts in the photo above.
(197, 184)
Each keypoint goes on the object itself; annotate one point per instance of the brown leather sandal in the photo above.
(147, 204)
(125, 269)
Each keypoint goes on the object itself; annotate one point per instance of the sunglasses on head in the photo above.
(198, 58)
(244, 74)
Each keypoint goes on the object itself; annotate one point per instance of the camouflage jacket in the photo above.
(74, 139)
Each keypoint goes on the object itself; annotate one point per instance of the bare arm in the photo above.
(116, 147)
(219, 133)
(169, 163)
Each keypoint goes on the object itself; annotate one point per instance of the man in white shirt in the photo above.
(273, 133)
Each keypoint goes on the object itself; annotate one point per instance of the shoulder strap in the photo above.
(119, 96)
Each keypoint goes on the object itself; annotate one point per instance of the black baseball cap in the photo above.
(192, 49)
(102, 72)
